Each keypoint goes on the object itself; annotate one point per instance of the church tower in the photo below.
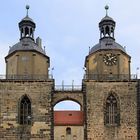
(107, 60)
(26, 92)
(110, 93)
(109, 98)
(27, 59)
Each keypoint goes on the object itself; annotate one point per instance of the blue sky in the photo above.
(68, 28)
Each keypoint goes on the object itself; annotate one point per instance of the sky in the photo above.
(68, 28)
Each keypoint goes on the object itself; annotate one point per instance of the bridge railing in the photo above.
(68, 87)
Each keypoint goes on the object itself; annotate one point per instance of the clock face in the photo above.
(110, 59)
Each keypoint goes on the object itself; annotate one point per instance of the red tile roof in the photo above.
(68, 118)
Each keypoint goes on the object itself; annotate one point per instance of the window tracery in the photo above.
(25, 111)
(112, 115)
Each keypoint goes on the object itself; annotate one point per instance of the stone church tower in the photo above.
(107, 59)
(25, 94)
(27, 59)
(111, 94)
(109, 97)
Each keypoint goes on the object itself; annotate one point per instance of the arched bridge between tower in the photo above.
(73, 93)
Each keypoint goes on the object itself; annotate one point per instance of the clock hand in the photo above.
(110, 58)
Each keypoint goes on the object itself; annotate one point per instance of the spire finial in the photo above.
(27, 8)
(106, 8)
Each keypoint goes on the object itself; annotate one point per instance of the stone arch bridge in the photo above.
(73, 93)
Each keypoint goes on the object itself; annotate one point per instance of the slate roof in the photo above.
(105, 44)
(26, 44)
(27, 18)
(107, 18)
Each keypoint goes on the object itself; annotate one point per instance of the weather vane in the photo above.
(106, 8)
(27, 8)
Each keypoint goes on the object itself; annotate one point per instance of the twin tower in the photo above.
(106, 60)
(109, 98)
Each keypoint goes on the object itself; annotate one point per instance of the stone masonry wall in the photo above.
(96, 93)
(76, 133)
(40, 97)
(76, 96)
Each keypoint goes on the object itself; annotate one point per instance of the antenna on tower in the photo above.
(27, 8)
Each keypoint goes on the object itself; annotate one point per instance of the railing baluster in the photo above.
(98, 77)
(68, 87)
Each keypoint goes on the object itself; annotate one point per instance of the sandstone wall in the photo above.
(77, 133)
(39, 94)
(96, 93)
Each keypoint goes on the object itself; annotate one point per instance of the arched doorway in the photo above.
(67, 105)
(68, 120)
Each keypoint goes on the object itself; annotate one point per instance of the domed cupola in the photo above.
(107, 26)
(27, 27)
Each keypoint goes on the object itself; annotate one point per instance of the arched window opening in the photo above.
(26, 31)
(112, 29)
(102, 31)
(62, 137)
(68, 131)
(22, 32)
(25, 111)
(107, 31)
(112, 32)
(74, 137)
(31, 31)
(112, 115)
(67, 105)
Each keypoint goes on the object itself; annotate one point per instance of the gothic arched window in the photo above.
(111, 114)
(68, 131)
(62, 137)
(25, 111)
